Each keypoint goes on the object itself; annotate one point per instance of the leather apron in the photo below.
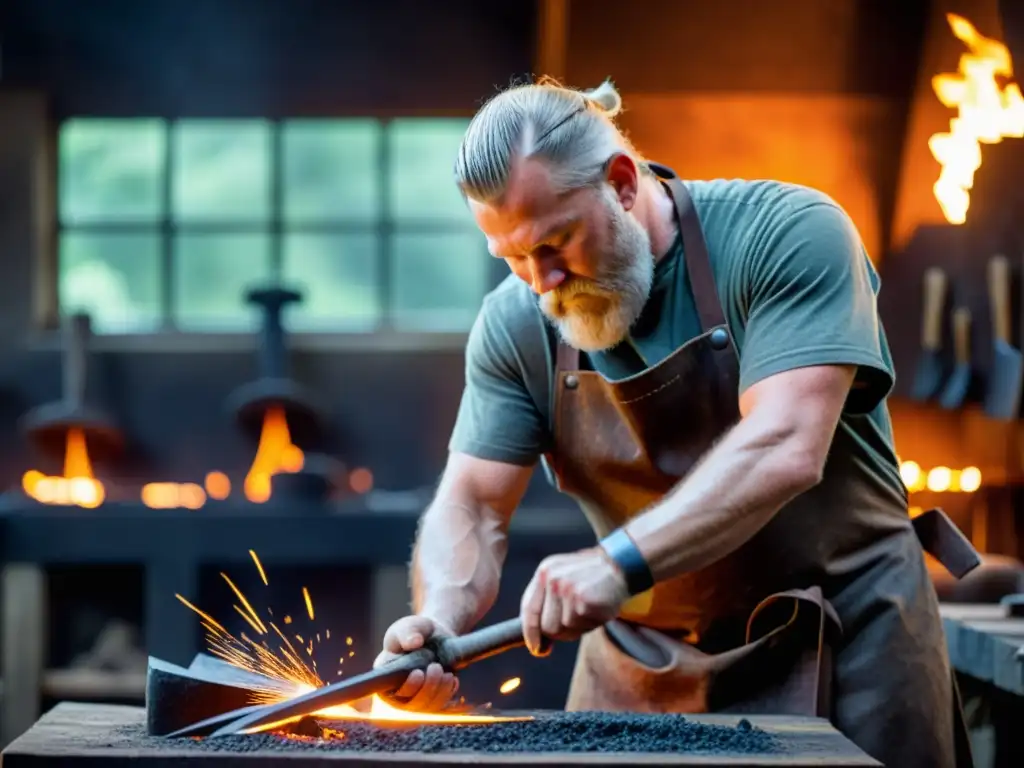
(761, 630)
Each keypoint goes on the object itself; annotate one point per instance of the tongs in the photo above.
(452, 653)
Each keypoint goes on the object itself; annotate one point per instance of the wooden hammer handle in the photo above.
(934, 302)
(457, 653)
(999, 296)
(962, 335)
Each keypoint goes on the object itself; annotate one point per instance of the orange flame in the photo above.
(275, 454)
(987, 113)
(76, 487)
(380, 711)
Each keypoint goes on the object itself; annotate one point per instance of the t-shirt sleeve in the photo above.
(811, 299)
(498, 419)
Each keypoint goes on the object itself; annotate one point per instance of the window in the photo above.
(165, 224)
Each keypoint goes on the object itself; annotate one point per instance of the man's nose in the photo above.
(544, 277)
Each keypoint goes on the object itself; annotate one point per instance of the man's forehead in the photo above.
(530, 210)
(530, 192)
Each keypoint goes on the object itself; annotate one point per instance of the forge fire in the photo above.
(285, 660)
(989, 109)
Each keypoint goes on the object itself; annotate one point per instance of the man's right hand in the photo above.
(427, 691)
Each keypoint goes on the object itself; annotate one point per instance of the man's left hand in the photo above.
(570, 595)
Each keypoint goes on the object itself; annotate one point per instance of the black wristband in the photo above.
(624, 553)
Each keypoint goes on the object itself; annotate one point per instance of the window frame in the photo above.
(169, 338)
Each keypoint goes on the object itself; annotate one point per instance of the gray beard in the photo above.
(594, 315)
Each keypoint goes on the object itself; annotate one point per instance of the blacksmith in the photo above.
(702, 366)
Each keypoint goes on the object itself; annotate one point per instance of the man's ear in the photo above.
(622, 173)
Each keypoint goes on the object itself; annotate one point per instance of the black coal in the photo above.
(547, 732)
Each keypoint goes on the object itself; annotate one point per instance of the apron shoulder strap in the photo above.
(698, 267)
(567, 358)
(698, 261)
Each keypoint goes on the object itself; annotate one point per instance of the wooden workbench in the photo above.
(114, 737)
(986, 646)
(986, 643)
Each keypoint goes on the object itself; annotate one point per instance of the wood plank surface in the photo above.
(24, 589)
(114, 737)
(986, 643)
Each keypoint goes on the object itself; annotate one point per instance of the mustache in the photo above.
(578, 286)
(614, 282)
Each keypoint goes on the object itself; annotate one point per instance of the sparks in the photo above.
(309, 603)
(210, 623)
(510, 685)
(251, 623)
(292, 671)
(259, 567)
(238, 593)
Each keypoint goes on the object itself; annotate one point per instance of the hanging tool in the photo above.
(48, 425)
(928, 377)
(274, 387)
(1002, 400)
(959, 382)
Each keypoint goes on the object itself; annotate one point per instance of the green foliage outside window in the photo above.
(164, 225)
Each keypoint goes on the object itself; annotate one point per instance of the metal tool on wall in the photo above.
(47, 426)
(1002, 399)
(930, 367)
(959, 383)
(274, 387)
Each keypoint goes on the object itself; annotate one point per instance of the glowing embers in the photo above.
(989, 109)
(940, 479)
(275, 454)
(286, 652)
(77, 486)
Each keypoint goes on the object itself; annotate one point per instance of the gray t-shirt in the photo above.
(797, 288)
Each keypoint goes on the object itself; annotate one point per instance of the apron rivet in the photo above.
(571, 382)
(719, 338)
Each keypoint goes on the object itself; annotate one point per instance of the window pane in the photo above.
(421, 168)
(113, 277)
(212, 274)
(439, 280)
(111, 170)
(221, 170)
(331, 169)
(339, 278)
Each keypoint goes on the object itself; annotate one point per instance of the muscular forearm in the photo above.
(457, 561)
(734, 492)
